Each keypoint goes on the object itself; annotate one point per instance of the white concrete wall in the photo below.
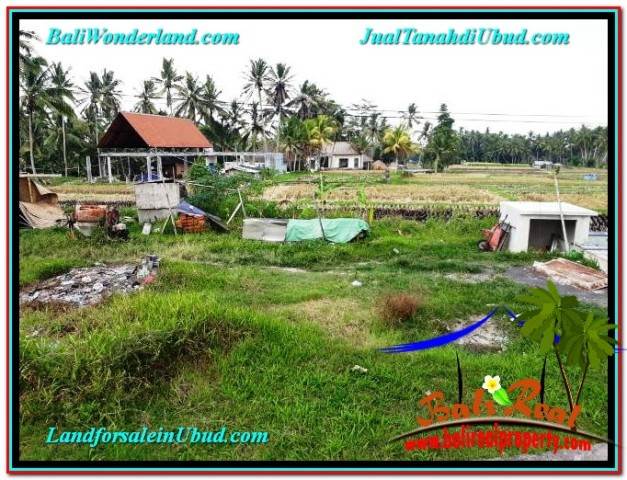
(519, 234)
(334, 162)
(154, 200)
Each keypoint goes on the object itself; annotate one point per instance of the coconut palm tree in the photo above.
(101, 99)
(320, 131)
(92, 96)
(33, 86)
(38, 98)
(397, 142)
(443, 139)
(234, 115)
(110, 95)
(63, 89)
(26, 49)
(256, 80)
(212, 101)
(294, 139)
(360, 144)
(147, 97)
(412, 116)
(191, 99)
(255, 127)
(278, 92)
(307, 100)
(168, 80)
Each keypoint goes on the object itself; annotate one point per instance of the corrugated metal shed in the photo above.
(138, 130)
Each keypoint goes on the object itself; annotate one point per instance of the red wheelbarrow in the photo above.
(494, 238)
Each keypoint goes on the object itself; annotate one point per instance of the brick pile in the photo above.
(190, 223)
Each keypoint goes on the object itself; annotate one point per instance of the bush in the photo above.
(217, 194)
(399, 307)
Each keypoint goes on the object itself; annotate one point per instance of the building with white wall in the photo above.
(341, 156)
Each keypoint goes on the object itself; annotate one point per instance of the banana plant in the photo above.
(557, 323)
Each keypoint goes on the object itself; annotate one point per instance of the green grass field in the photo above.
(262, 337)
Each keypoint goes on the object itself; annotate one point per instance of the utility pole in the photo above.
(559, 204)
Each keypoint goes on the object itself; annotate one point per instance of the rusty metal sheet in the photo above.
(570, 273)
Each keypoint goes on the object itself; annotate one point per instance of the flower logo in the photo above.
(493, 386)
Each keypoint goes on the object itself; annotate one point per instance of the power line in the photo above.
(380, 113)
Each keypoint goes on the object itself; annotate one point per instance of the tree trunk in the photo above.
(278, 133)
(30, 141)
(64, 147)
(265, 144)
(583, 379)
(569, 392)
(437, 160)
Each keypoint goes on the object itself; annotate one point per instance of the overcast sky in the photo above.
(540, 88)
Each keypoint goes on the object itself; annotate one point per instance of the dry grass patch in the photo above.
(589, 200)
(288, 193)
(111, 188)
(344, 318)
(418, 194)
(97, 197)
(397, 308)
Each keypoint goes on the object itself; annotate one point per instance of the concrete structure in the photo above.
(267, 229)
(595, 248)
(342, 155)
(155, 200)
(537, 225)
(254, 160)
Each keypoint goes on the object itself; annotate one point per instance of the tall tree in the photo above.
(148, 95)
(211, 96)
(256, 80)
(412, 116)
(255, 127)
(91, 99)
(101, 99)
(397, 142)
(110, 95)
(168, 80)
(294, 140)
(320, 131)
(39, 98)
(443, 140)
(191, 99)
(63, 89)
(26, 48)
(279, 90)
(308, 100)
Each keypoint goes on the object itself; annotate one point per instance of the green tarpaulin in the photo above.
(336, 230)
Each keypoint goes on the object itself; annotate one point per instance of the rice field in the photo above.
(423, 190)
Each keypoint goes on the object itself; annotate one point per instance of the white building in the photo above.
(341, 155)
(536, 225)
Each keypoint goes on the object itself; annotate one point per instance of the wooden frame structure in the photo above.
(105, 156)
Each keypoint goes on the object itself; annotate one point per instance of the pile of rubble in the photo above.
(489, 338)
(88, 286)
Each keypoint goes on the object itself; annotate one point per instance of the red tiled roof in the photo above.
(139, 130)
